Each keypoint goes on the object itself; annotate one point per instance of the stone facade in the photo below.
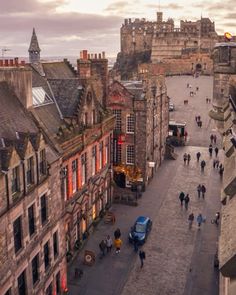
(224, 114)
(141, 109)
(32, 235)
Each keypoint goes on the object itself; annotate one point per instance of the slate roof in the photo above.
(13, 116)
(58, 70)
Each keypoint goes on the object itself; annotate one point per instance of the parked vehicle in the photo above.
(140, 230)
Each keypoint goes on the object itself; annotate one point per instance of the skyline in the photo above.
(65, 27)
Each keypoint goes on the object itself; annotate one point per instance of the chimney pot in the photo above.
(88, 55)
(6, 62)
(103, 54)
(96, 56)
(85, 54)
(1, 63)
(11, 63)
(16, 61)
(99, 55)
(91, 55)
(22, 62)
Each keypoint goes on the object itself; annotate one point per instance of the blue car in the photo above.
(140, 230)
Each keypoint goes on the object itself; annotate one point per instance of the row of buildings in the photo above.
(57, 151)
(224, 114)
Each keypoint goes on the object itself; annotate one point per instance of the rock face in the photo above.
(127, 64)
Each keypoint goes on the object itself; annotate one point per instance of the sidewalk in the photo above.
(171, 250)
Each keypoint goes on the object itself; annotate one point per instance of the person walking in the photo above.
(142, 257)
(199, 220)
(117, 244)
(203, 164)
(198, 155)
(214, 163)
(190, 220)
(102, 247)
(217, 163)
(181, 198)
(215, 138)
(117, 233)
(203, 191)
(188, 158)
(196, 118)
(221, 170)
(216, 151)
(108, 243)
(185, 157)
(186, 201)
(200, 124)
(211, 138)
(199, 190)
(210, 149)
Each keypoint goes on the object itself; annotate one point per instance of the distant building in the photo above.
(224, 114)
(141, 110)
(69, 107)
(32, 231)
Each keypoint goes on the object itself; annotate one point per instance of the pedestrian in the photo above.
(203, 191)
(199, 190)
(199, 220)
(190, 220)
(196, 118)
(108, 243)
(206, 99)
(185, 135)
(211, 138)
(181, 198)
(117, 244)
(221, 171)
(198, 155)
(215, 139)
(210, 149)
(117, 233)
(197, 88)
(102, 247)
(216, 151)
(217, 163)
(214, 163)
(142, 257)
(203, 164)
(199, 118)
(200, 124)
(135, 243)
(186, 201)
(188, 158)
(185, 157)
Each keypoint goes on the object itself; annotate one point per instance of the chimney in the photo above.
(1, 62)
(20, 80)
(11, 63)
(16, 61)
(84, 65)
(6, 62)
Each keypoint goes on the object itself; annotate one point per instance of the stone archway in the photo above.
(198, 67)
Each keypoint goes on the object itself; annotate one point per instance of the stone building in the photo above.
(73, 117)
(32, 233)
(224, 114)
(141, 110)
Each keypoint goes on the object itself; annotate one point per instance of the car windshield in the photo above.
(139, 228)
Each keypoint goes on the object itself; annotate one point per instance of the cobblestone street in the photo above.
(179, 260)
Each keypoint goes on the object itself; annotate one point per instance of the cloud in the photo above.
(172, 6)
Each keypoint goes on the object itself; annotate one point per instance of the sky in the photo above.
(65, 27)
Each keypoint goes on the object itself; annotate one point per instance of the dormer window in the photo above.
(30, 171)
(15, 181)
(42, 163)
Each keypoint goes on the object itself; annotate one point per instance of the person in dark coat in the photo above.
(199, 190)
(212, 138)
(142, 256)
(203, 191)
(117, 233)
(210, 150)
(181, 198)
(188, 158)
(203, 164)
(216, 151)
(102, 247)
(186, 201)
(198, 155)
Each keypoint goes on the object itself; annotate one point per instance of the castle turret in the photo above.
(34, 50)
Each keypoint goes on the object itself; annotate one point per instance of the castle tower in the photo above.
(34, 50)
(159, 17)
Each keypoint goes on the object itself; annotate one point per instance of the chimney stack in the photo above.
(84, 65)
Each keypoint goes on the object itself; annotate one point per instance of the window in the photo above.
(130, 154)
(84, 168)
(58, 287)
(30, 171)
(40, 97)
(42, 162)
(43, 202)
(22, 289)
(94, 160)
(118, 125)
(15, 183)
(49, 290)
(100, 155)
(17, 234)
(74, 176)
(46, 255)
(35, 269)
(130, 123)
(55, 244)
(65, 182)
(224, 54)
(31, 220)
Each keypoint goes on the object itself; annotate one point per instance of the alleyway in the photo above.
(178, 261)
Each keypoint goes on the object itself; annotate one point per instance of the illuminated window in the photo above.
(74, 176)
(84, 168)
(130, 154)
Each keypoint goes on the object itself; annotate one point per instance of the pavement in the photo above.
(178, 260)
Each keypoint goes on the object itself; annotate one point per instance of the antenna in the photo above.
(159, 5)
(4, 49)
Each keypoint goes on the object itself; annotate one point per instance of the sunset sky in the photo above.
(64, 27)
